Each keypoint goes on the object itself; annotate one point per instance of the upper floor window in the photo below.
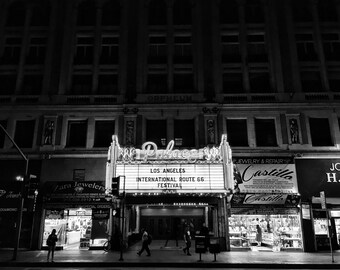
(41, 14)
(265, 132)
(184, 133)
(3, 123)
(108, 84)
(86, 15)
(32, 84)
(157, 12)
(156, 131)
(257, 48)
(16, 14)
(36, 51)
(259, 81)
(182, 50)
(11, 54)
(182, 12)
(24, 133)
(331, 45)
(7, 85)
(311, 81)
(302, 11)
(81, 84)
(84, 50)
(320, 132)
(233, 82)
(230, 48)
(157, 50)
(157, 83)
(104, 129)
(109, 51)
(305, 47)
(76, 133)
(327, 11)
(228, 12)
(183, 82)
(334, 80)
(254, 12)
(237, 132)
(111, 13)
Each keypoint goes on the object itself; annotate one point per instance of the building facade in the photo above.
(73, 73)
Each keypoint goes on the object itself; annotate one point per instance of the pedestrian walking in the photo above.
(258, 237)
(146, 240)
(187, 240)
(51, 243)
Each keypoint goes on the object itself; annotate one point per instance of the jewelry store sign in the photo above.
(172, 178)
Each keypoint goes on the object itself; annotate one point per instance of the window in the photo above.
(7, 85)
(16, 14)
(311, 81)
(24, 133)
(232, 82)
(183, 83)
(156, 131)
(301, 11)
(334, 79)
(104, 130)
(182, 50)
(327, 11)
(36, 51)
(81, 85)
(305, 47)
(76, 134)
(265, 132)
(254, 12)
(157, 83)
(11, 54)
(228, 12)
(3, 123)
(32, 84)
(157, 12)
(108, 84)
(230, 48)
(237, 132)
(331, 45)
(110, 50)
(320, 132)
(259, 82)
(41, 14)
(157, 50)
(182, 12)
(184, 133)
(86, 13)
(111, 13)
(257, 48)
(84, 50)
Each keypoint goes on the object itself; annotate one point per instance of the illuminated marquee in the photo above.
(180, 178)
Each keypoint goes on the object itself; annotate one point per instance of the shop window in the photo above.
(265, 132)
(184, 133)
(331, 45)
(302, 11)
(320, 132)
(183, 83)
(237, 132)
(109, 51)
(157, 83)
(32, 84)
(24, 133)
(108, 84)
(111, 13)
(327, 11)
(254, 12)
(257, 48)
(76, 134)
(11, 53)
(84, 51)
(311, 81)
(305, 47)
(182, 12)
(7, 85)
(81, 85)
(103, 133)
(233, 82)
(36, 51)
(3, 123)
(157, 12)
(259, 82)
(16, 14)
(228, 12)
(86, 13)
(157, 50)
(230, 48)
(182, 50)
(156, 131)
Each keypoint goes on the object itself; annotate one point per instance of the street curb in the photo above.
(171, 265)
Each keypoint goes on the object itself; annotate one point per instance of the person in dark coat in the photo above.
(187, 240)
(51, 243)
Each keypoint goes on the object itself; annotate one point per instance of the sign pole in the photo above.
(324, 206)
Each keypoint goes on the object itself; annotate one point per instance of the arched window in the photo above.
(182, 12)
(111, 13)
(86, 13)
(41, 14)
(16, 14)
(157, 13)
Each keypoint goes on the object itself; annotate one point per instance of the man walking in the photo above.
(187, 240)
(145, 243)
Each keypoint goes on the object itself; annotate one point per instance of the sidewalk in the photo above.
(172, 257)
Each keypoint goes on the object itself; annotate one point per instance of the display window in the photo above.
(75, 228)
(274, 232)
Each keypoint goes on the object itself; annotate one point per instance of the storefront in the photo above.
(78, 211)
(320, 175)
(264, 209)
(169, 189)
